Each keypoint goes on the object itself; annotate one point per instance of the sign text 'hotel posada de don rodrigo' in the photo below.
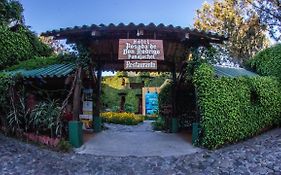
(140, 53)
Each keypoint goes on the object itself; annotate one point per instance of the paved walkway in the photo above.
(260, 155)
(139, 140)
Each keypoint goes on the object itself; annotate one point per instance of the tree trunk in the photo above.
(77, 95)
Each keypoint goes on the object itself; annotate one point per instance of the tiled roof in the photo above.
(130, 26)
(55, 70)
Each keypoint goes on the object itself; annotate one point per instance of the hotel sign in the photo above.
(140, 54)
(140, 49)
(140, 64)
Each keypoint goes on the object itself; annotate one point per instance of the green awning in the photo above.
(55, 70)
(232, 71)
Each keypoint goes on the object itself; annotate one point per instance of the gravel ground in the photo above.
(260, 155)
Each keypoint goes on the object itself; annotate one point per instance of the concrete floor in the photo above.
(140, 140)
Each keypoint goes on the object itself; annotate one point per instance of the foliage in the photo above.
(83, 57)
(238, 21)
(10, 12)
(5, 83)
(267, 62)
(233, 109)
(159, 124)
(18, 115)
(111, 86)
(269, 14)
(44, 117)
(34, 63)
(122, 74)
(124, 118)
(58, 46)
(64, 146)
(20, 45)
(165, 95)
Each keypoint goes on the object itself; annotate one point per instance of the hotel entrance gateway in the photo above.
(133, 48)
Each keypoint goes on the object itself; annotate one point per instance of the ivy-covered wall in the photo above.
(233, 109)
(19, 45)
(267, 62)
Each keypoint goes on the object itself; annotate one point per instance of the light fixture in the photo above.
(139, 32)
(94, 33)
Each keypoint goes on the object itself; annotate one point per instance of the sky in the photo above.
(43, 15)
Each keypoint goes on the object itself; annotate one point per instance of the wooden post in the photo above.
(174, 77)
(139, 96)
(77, 95)
(174, 121)
(122, 103)
(96, 112)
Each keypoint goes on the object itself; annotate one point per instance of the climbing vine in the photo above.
(18, 45)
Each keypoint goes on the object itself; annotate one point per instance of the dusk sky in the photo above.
(43, 15)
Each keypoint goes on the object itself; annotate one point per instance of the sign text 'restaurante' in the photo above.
(140, 49)
(140, 64)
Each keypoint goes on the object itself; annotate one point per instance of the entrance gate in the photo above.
(133, 47)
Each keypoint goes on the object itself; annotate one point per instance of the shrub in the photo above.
(45, 117)
(64, 146)
(233, 109)
(122, 118)
(159, 124)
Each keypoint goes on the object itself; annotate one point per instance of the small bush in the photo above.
(159, 124)
(64, 146)
(122, 118)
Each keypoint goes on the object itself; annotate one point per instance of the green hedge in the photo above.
(233, 109)
(267, 62)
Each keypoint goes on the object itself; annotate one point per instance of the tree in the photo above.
(239, 22)
(58, 46)
(269, 12)
(11, 12)
(17, 42)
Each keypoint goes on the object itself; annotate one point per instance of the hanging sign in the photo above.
(140, 49)
(140, 64)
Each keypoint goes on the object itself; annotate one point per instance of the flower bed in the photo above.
(124, 118)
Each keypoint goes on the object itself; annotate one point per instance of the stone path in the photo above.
(139, 140)
(260, 155)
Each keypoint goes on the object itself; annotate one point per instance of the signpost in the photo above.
(140, 54)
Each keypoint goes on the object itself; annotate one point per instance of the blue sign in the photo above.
(151, 103)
